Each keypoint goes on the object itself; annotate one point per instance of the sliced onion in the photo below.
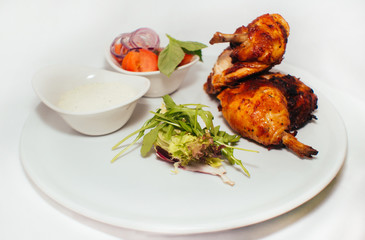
(145, 38)
(125, 40)
(140, 38)
(126, 46)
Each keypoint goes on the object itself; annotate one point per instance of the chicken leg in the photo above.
(268, 108)
(253, 49)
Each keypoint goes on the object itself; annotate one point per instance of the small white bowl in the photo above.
(160, 83)
(53, 82)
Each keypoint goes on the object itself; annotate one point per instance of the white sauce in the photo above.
(95, 96)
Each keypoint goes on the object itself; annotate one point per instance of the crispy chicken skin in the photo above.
(253, 49)
(267, 108)
(267, 38)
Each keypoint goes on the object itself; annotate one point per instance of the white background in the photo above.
(327, 39)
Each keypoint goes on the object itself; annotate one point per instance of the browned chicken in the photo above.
(269, 108)
(253, 49)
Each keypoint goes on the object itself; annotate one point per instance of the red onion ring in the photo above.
(126, 46)
(140, 38)
(145, 38)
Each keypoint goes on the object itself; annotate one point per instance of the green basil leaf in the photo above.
(169, 58)
(188, 45)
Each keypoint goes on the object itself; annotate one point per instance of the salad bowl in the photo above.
(160, 83)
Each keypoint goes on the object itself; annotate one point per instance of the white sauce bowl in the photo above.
(51, 83)
(160, 83)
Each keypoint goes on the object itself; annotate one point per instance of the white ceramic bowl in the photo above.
(160, 83)
(52, 82)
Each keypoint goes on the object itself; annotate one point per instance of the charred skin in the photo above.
(267, 108)
(267, 38)
(252, 50)
(301, 100)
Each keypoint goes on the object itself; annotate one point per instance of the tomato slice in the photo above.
(187, 59)
(140, 60)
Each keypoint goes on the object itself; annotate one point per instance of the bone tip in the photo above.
(216, 38)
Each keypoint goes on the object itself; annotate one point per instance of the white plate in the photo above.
(143, 194)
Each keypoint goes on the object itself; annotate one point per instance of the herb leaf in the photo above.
(149, 139)
(188, 45)
(169, 102)
(171, 56)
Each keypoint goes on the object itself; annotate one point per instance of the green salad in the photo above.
(176, 135)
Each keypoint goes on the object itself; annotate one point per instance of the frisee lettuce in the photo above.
(176, 129)
(187, 148)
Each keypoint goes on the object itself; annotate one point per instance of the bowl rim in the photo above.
(140, 92)
(116, 67)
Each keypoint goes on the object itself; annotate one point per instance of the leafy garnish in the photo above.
(170, 57)
(176, 129)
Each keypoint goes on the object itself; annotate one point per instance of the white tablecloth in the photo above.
(327, 39)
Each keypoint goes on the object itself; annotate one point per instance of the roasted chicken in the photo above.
(253, 49)
(260, 105)
(268, 108)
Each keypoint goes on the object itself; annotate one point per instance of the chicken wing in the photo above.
(268, 108)
(253, 49)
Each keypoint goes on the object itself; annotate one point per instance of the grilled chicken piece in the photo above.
(253, 49)
(226, 74)
(268, 108)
